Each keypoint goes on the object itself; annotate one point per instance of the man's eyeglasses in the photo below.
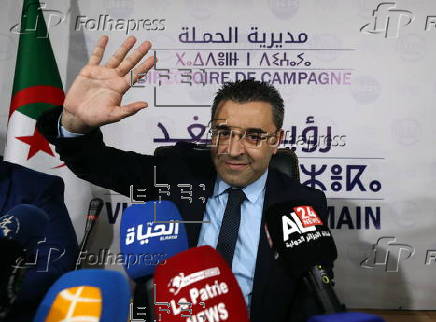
(250, 138)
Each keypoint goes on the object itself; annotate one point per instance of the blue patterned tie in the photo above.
(230, 225)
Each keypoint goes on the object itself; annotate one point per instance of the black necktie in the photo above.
(230, 225)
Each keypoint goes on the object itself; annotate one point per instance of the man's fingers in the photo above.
(130, 61)
(140, 70)
(98, 51)
(121, 52)
(124, 111)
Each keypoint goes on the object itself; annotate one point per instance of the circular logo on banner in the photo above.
(411, 48)
(406, 131)
(404, 213)
(365, 89)
(326, 41)
(119, 8)
(284, 9)
(202, 9)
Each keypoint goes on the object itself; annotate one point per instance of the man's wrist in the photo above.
(72, 124)
(64, 133)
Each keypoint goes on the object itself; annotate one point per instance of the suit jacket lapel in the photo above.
(195, 211)
(276, 191)
(265, 255)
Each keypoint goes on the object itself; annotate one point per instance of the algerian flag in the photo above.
(37, 88)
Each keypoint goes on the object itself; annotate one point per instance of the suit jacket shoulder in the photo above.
(57, 253)
(22, 184)
(276, 295)
(90, 159)
(282, 188)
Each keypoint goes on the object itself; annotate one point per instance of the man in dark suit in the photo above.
(58, 252)
(246, 126)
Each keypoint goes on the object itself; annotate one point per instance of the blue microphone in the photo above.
(24, 224)
(86, 295)
(346, 317)
(20, 230)
(149, 234)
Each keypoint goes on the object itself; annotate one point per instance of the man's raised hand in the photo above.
(95, 96)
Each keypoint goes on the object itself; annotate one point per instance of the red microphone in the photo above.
(197, 285)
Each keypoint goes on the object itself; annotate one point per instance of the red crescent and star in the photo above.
(36, 94)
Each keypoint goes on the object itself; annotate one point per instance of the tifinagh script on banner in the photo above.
(278, 58)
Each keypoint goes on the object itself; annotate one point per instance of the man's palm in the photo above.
(95, 96)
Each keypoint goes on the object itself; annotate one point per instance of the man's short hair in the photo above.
(250, 90)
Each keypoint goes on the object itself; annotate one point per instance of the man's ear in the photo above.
(279, 141)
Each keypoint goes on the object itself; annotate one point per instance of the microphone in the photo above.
(24, 224)
(149, 234)
(198, 285)
(20, 230)
(305, 247)
(86, 295)
(94, 210)
(346, 317)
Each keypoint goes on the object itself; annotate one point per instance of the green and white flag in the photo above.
(38, 87)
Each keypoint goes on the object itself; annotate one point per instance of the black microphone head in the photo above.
(94, 211)
(299, 237)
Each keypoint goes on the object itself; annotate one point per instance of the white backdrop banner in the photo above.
(359, 93)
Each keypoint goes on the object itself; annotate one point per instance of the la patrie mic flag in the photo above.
(37, 87)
